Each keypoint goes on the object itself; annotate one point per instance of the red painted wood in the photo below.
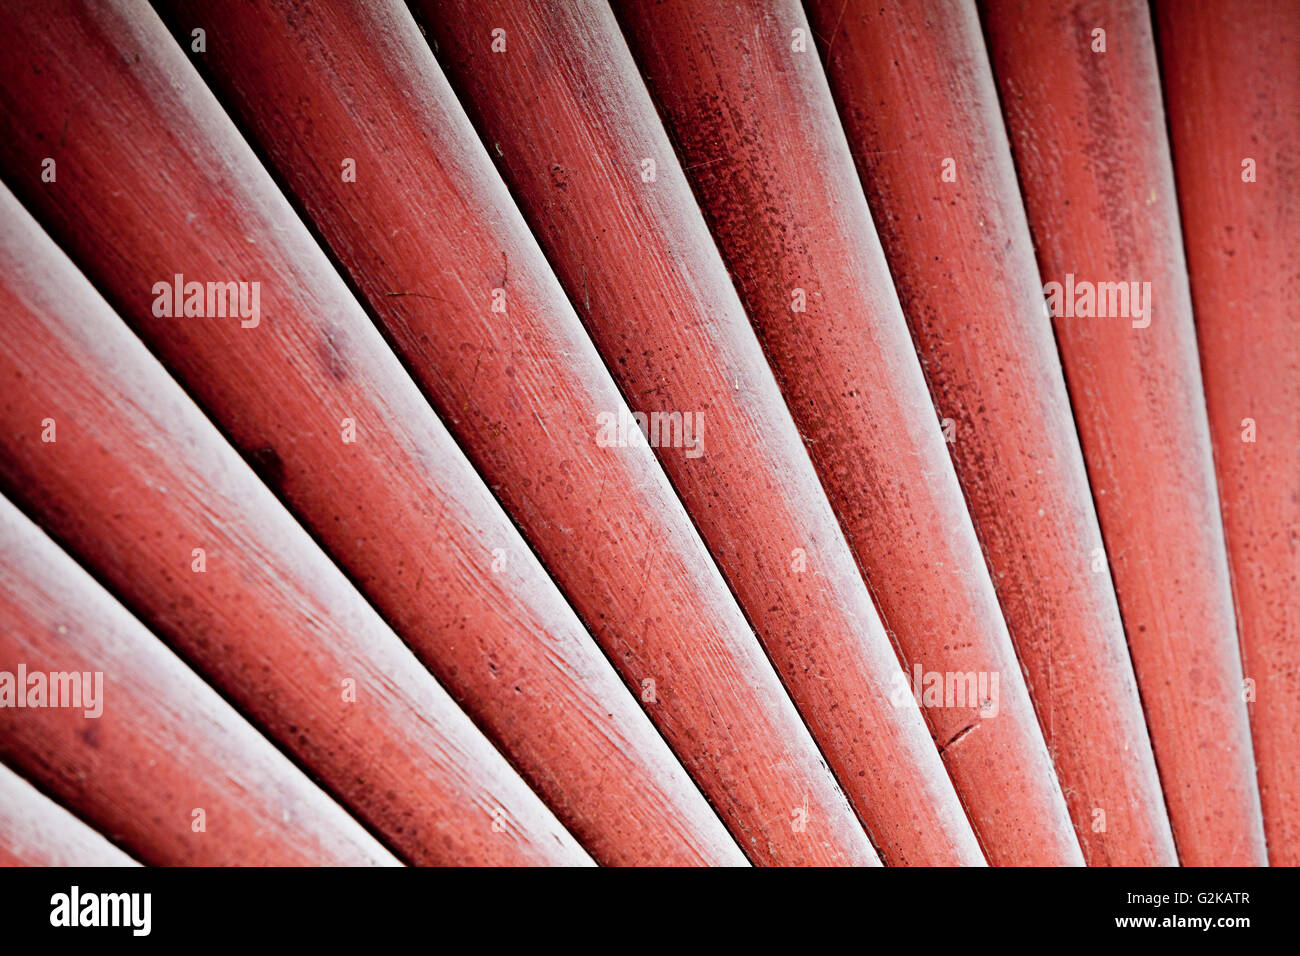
(136, 478)
(914, 91)
(405, 514)
(755, 127)
(522, 391)
(673, 332)
(36, 831)
(163, 745)
(1088, 133)
(1232, 93)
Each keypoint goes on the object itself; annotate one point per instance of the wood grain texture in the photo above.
(402, 509)
(137, 478)
(426, 233)
(755, 128)
(1232, 93)
(36, 831)
(914, 90)
(163, 746)
(637, 261)
(1088, 133)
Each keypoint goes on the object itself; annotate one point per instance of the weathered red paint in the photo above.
(755, 127)
(133, 480)
(36, 831)
(916, 99)
(407, 517)
(1232, 93)
(428, 221)
(163, 745)
(674, 335)
(1088, 134)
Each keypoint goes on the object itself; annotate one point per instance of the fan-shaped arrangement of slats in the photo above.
(522, 432)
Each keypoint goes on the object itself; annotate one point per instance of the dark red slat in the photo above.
(756, 129)
(641, 268)
(1232, 95)
(605, 519)
(36, 831)
(1088, 133)
(919, 107)
(166, 768)
(135, 479)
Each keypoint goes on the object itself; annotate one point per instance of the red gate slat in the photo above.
(1088, 133)
(1232, 93)
(915, 92)
(135, 479)
(754, 124)
(637, 261)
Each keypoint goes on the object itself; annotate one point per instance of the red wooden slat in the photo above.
(136, 478)
(1088, 132)
(159, 763)
(445, 566)
(755, 126)
(640, 266)
(403, 510)
(36, 831)
(917, 100)
(434, 220)
(1232, 94)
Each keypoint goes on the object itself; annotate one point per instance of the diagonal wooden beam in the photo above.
(743, 95)
(635, 256)
(604, 519)
(1232, 95)
(1087, 129)
(113, 459)
(920, 111)
(36, 831)
(139, 746)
